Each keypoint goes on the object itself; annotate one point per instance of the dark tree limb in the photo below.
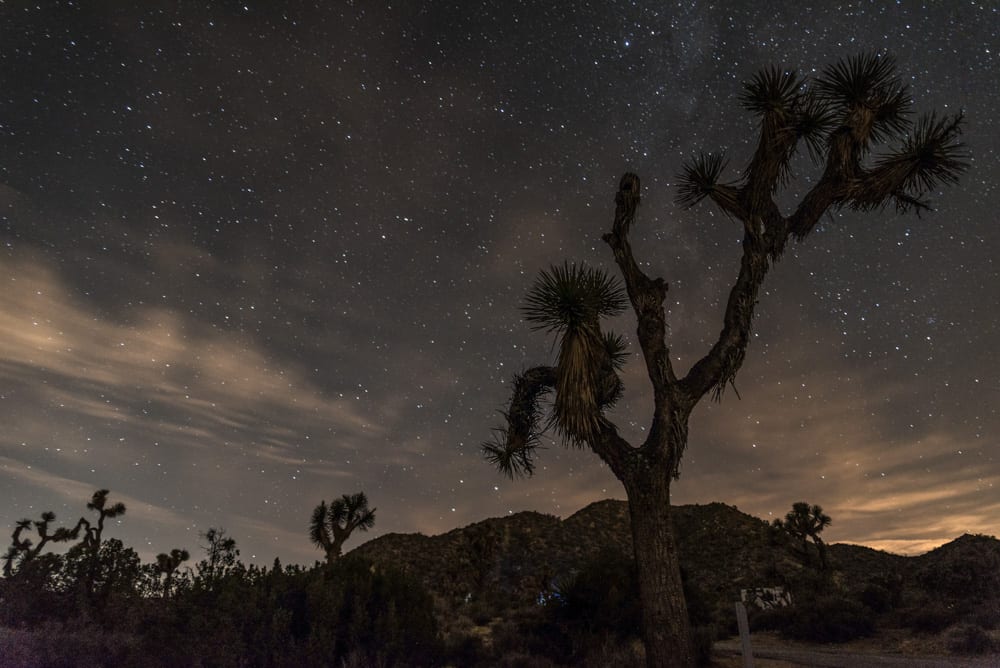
(646, 295)
(719, 366)
(513, 445)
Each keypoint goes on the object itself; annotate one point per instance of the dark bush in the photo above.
(876, 598)
(614, 654)
(829, 619)
(987, 614)
(55, 645)
(703, 637)
(969, 639)
(381, 614)
(34, 595)
(603, 597)
(466, 651)
(534, 633)
(772, 619)
(932, 617)
(698, 605)
(524, 661)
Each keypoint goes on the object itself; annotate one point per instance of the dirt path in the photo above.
(822, 658)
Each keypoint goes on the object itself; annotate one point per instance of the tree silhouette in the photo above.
(332, 525)
(840, 117)
(166, 566)
(91, 583)
(24, 549)
(99, 502)
(804, 522)
(222, 557)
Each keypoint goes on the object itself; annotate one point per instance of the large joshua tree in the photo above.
(841, 117)
(332, 525)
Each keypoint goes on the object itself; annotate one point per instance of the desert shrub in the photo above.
(931, 617)
(55, 645)
(699, 606)
(346, 614)
(771, 619)
(725, 622)
(480, 612)
(517, 660)
(34, 595)
(536, 633)
(876, 598)
(808, 584)
(465, 651)
(615, 654)
(603, 597)
(969, 639)
(969, 570)
(829, 619)
(379, 613)
(703, 637)
(987, 614)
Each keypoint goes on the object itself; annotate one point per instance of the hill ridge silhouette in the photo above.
(517, 557)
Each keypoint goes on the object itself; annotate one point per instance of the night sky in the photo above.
(253, 258)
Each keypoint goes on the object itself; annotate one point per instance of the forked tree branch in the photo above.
(646, 294)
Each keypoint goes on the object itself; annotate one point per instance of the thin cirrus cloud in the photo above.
(156, 403)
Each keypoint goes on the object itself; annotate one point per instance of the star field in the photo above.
(254, 257)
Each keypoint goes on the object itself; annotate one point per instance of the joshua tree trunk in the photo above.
(333, 552)
(665, 624)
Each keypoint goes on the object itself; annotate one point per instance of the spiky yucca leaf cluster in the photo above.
(100, 500)
(813, 123)
(571, 300)
(317, 525)
(932, 155)
(352, 510)
(568, 297)
(568, 300)
(330, 526)
(772, 91)
(699, 177)
(853, 104)
(512, 447)
(868, 95)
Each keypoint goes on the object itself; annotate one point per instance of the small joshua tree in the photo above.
(94, 532)
(332, 525)
(803, 522)
(93, 535)
(24, 549)
(166, 566)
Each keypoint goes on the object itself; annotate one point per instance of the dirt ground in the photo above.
(888, 649)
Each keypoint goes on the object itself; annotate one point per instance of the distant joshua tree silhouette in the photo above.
(167, 565)
(24, 549)
(804, 522)
(332, 525)
(99, 502)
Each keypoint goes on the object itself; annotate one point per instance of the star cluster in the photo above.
(257, 255)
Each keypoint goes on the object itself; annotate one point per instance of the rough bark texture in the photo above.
(665, 625)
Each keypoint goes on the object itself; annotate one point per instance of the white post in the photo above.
(744, 626)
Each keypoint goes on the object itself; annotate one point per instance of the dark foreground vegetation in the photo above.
(528, 590)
